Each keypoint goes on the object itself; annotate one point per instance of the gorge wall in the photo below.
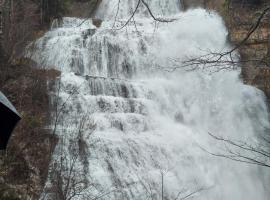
(256, 48)
(24, 167)
(239, 16)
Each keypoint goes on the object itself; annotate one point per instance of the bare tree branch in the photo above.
(249, 154)
(225, 59)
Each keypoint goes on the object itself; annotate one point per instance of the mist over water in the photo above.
(141, 121)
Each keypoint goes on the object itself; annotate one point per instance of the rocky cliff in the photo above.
(240, 16)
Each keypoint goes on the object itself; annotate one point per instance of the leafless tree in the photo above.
(139, 3)
(225, 60)
(154, 193)
(240, 151)
(66, 180)
(20, 23)
(257, 153)
(144, 3)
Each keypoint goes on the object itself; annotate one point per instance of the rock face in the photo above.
(186, 4)
(24, 166)
(239, 17)
(83, 8)
(257, 47)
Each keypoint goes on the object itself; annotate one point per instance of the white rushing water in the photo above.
(136, 121)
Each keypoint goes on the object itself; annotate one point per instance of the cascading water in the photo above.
(140, 127)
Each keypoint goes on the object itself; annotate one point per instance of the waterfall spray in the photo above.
(139, 128)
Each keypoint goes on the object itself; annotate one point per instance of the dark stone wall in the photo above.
(187, 4)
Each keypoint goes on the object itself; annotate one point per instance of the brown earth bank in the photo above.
(24, 165)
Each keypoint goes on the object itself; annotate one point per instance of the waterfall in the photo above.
(140, 128)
